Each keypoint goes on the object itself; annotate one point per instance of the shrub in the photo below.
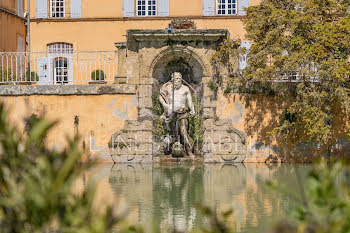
(98, 75)
(6, 75)
(36, 185)
(32, 77)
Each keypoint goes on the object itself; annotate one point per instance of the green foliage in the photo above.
(32, 76)
(6, 75)
(218, 223)
(228, 90)
(309, 38)
(158, 110)
(223, 58)
(36, 184)
(326, 205)
(98, 75)
(196, 127)
(324, 200)
(213, 86)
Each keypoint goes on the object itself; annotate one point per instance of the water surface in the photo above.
(164, 197)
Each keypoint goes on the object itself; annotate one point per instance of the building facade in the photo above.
(90, 25)
(61, 28)
(12, 26)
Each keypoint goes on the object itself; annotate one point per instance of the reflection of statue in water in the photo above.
(177, 102)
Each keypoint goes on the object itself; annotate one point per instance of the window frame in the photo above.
(146, 8)
(52, 12)
(60, 48)
(61, 51)
(63, 67)
(235, 2)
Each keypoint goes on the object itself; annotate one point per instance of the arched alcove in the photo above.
(178, 60)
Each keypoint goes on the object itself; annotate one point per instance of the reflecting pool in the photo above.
(164, 197)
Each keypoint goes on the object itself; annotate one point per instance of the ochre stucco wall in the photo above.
(11, 27)
(101, 35)
(257, 115)
(99, 117)
(103, 24)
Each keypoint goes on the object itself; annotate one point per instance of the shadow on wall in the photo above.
(257, 115)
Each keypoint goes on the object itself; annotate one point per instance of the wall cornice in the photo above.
(12, 13)
(131, 18)
(27, 90)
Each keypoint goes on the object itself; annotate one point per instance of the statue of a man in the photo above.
(175, 97)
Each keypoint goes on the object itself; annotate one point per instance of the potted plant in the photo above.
(98, 77)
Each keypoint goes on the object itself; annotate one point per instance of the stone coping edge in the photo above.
(27, 90)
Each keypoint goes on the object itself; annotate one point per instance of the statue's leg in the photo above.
(186, 138)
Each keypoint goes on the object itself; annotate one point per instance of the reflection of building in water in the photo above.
(165, 196)
(176, 190)
(132, 185)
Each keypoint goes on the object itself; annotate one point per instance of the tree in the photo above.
(306, 42)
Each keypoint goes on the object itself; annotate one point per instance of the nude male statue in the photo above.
(174, 96)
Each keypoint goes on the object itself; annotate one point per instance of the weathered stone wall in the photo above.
(95, 112)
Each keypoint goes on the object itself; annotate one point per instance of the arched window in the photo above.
(57, 8)
(60, 48)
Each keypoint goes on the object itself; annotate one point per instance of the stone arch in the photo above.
(182, 54)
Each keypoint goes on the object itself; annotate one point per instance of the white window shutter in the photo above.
(20, 8)
(128, 8)
(41, 9)
(20, 44)
(75, 9)
(208, 7)
(243, 58)
(241, 5)
(163, 7)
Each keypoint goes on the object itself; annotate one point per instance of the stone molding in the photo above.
(22, 90)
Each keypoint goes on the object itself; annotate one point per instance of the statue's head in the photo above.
(177, 78)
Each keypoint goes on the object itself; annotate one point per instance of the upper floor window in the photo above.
(226, 7)
(57, 8)
(146, 8)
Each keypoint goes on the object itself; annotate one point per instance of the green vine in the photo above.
(224, 59)
(159, 129)
(196, 128)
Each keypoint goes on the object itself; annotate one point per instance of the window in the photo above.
(60, 48)
(146, 7)
(57, 8)
(61, 70)
(226, 7)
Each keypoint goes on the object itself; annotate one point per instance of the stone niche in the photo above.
(146, 60)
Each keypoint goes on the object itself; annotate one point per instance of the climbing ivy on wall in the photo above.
(224, 60)
(158, 110)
